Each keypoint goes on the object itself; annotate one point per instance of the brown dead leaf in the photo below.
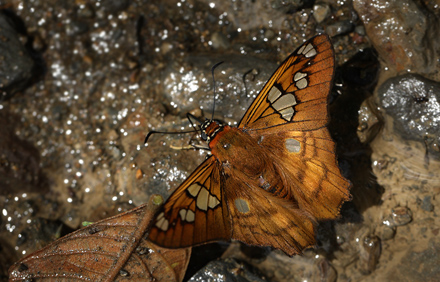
(113, 249)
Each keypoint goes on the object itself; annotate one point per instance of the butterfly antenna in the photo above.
(165, 132)
(213, 81)
(189, 116)
(244, 80)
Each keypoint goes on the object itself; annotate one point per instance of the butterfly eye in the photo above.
(204, 136)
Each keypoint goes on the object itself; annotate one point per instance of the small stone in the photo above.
(426, 204)
(338, 28)
(269, 34)
(321, 12)
(370, 251)
(327, 272)
(360, 29)
(112, 135)
(219, 41)
(166, 47)
(401, 215)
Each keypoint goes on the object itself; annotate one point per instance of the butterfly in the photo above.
(270, 180)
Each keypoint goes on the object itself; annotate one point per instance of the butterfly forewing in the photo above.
(298, 90)
(195, 213)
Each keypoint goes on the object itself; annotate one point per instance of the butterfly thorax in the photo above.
(242, 157)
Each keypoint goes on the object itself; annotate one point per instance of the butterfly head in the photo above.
(209, 128)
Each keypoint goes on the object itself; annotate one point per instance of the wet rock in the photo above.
(189, 86)
(238, 14)
(16, 64)
(413, 103)
(19, 169)
(404, 34)
(227, 270)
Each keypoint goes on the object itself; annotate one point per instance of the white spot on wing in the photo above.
(300, 79)
(182, 213)
(213, 202)
(299, 75)
(307, 50)
(187, 215)
(287, 113)
(202, 199)
(301, 84)
(242, 205)
(162, 223)
(284, 106)
(194, 189)
(293, 146)
(311, 53)
(285, 101)
(273, 94)
(190, 216)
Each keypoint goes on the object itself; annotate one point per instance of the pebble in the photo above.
(427, 204)
(321, 12)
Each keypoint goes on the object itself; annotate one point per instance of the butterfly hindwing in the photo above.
(297, 92)
(195, 213)
(289, 117)
(262, 219)
(308, 161)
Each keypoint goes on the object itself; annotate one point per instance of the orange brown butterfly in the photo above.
(268, 181)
